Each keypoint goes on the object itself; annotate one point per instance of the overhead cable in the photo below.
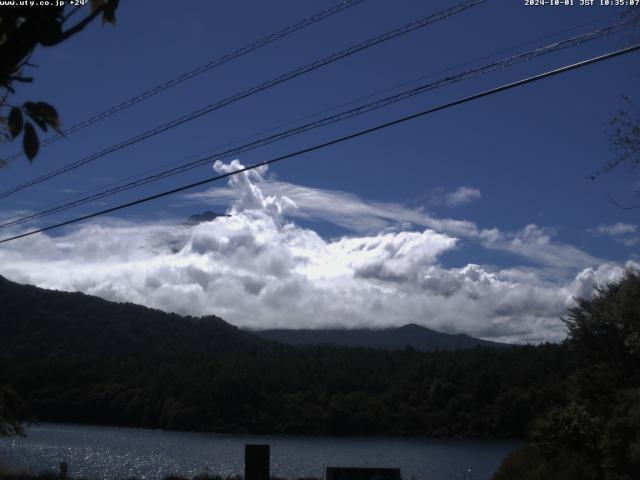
(305, 22)
(335, 141)
(423, 22)
(360, 110)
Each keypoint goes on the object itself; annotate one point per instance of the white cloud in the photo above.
(353, 213)
(340, 208)
(462, 196)
(621, 232)
(585, 282)
(10, 215)
(258, 269)
(616, 229)
(536, 244)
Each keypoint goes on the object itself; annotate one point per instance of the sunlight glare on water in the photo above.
(111, 453)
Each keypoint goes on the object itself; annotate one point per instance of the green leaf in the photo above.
(34, 113)
(49, 114)
(15, 122)
(40, 121)
(30, 142)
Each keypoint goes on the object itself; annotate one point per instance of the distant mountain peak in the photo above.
(396, 338)
(207, 216)
(413, 327)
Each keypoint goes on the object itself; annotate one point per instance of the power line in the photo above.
(66, 204)
(350, 102)
(360, 110)
(252, 91)
(345, 138)
(335, 118)
(305, 22)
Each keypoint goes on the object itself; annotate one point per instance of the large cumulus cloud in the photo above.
(259, 269)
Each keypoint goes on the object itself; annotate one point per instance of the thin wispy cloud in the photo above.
(616, 229)
(442, 197)
(537, 245)
(462, 196)
(344, 209)
(624, 233)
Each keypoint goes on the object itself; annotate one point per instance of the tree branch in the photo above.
(78, 27)
(71, 13)
(623, 207)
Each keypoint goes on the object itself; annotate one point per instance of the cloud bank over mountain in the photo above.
(258, 268)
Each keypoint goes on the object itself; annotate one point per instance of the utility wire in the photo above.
(335, 141)
(305, 22)
(316, 114)
(252, 91)
(360, 110)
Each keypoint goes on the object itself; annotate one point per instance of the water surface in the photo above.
(116, 453)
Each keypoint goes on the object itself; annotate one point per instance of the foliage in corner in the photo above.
(624, 137)
(597, 433)
(12, 412)
(624, 141)
(22, 29)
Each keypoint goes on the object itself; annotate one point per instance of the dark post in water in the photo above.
(256, 462)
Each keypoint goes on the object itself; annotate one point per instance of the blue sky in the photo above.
(509, 169)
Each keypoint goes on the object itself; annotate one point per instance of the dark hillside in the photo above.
(62, 324)
(77, 358)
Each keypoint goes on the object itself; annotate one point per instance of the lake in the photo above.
(117, 453)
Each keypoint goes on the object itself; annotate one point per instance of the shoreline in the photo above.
(231, 434)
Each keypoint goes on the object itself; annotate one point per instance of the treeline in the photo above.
(313, 391)
(76, 358)
(595, 433)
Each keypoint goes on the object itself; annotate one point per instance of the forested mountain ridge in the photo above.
(413, 336)
(77, 358)
(33, 320)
